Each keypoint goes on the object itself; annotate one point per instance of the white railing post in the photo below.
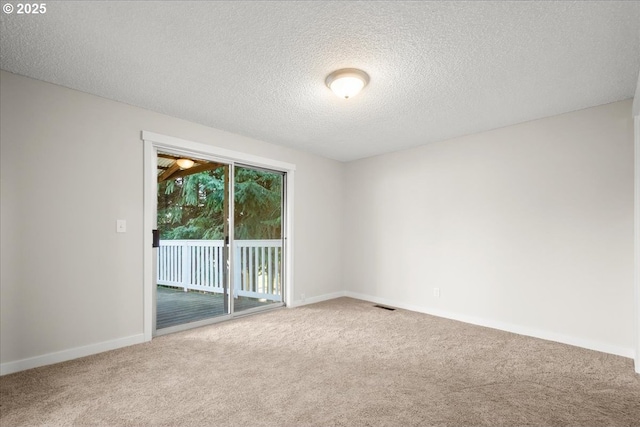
(237, 269)
(186, 266)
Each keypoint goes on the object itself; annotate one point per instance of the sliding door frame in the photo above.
(154, 142)
(636, 237)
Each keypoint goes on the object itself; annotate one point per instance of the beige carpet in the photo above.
(338, 363)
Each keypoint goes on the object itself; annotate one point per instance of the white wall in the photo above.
(72, 165)
(636, 99)
(527, 228)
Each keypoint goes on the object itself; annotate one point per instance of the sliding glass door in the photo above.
(258, 237)
(220, 246)
(193, 222)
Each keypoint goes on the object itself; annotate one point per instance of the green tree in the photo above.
(258, 204)
(192, 207)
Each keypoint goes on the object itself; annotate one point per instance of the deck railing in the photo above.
(198, 265)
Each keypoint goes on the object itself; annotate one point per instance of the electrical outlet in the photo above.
(302, 296)
(436, 292)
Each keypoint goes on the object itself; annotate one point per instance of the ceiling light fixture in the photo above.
(346, 83)
(185, 163)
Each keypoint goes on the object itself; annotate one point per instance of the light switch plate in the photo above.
(121, 226)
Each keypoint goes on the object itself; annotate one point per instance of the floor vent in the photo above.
(382, 306)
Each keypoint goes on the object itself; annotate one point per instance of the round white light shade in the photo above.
(185, 163)
(347, 82)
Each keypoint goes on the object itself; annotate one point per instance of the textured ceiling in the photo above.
(438, 69)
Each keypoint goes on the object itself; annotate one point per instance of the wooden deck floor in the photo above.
(175, 307)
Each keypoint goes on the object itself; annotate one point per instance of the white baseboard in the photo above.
(64, 355)
(503, 326)
(319, 298)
